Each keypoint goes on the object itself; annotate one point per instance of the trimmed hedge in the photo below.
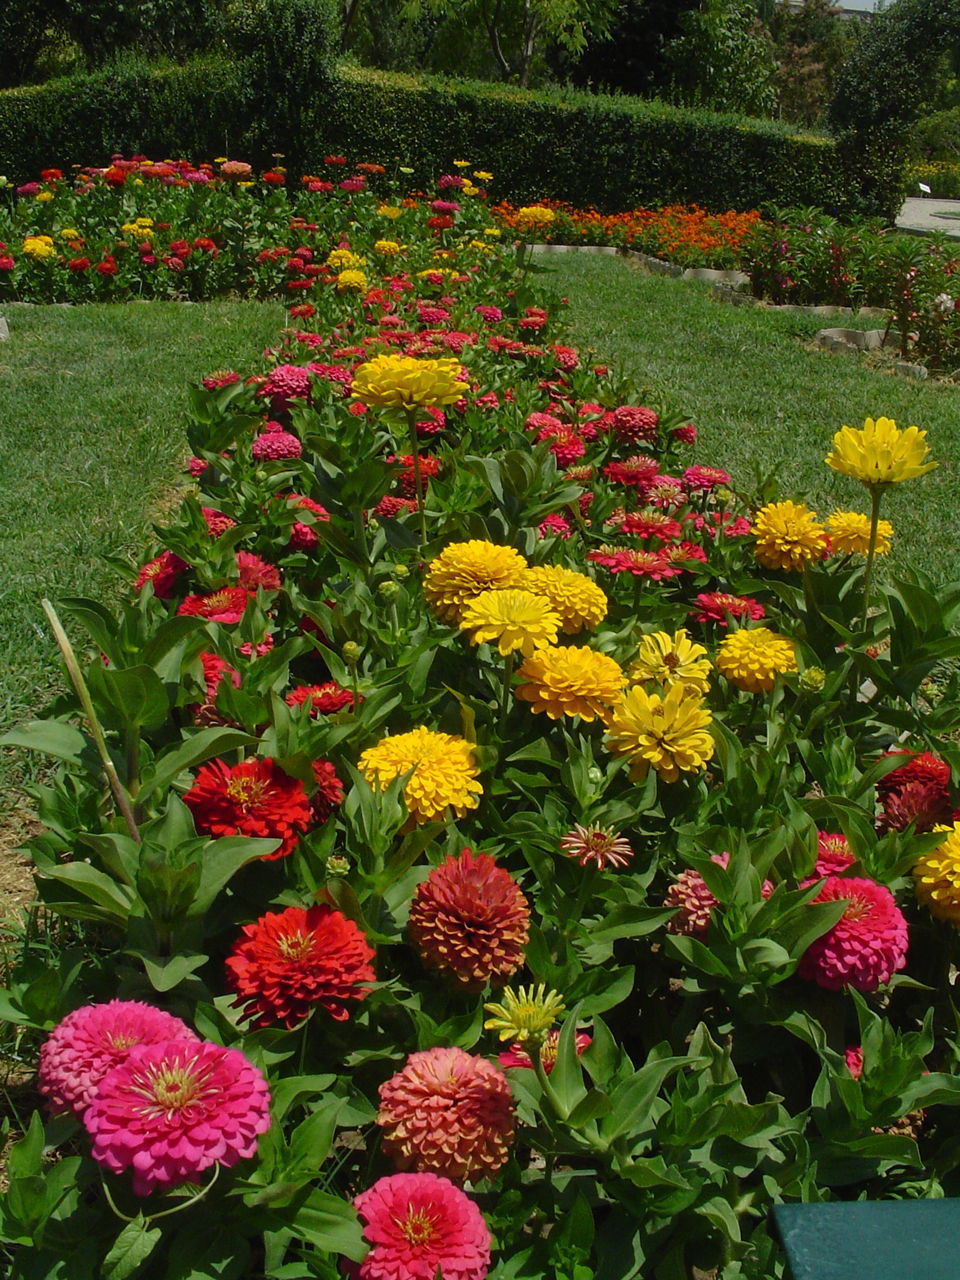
(610, 152)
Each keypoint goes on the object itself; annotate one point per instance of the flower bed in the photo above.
(488, 837)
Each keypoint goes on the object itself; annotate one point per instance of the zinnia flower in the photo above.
(517, 1056)
(419, 1226)
(575, 597)
(404, 382)
(162, 573)
(879, 454)
(470, 920)
(752, 658)
(719, 607)
(254, 798)
(323, 699)
(850, 534)
(447, 1112)
(525, 1015)
(227, 605)
(866, 946)
(573, 681)
(672, 732)
(171, 1110)
(695, 903)
(512, 618)
(834, 855)
(91, 1041)
(671, 659)
(789, 536)
(465, 569)
(936, 877)
(444, 771)
(597, 845)
(287, 962)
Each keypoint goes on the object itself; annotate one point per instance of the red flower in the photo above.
(636, 473)
(254, 798)
(256, 573)
(420, 1226)
(651, 524)
(226, 605)
(719, 607)
(633, 424)
(329, 793)
(78, 265)
(324, 699)
(470, 920)
(918, 792)
(217, 523)
(163, 573)
(288, 962)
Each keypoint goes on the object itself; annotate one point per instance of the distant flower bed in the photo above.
(484, 841)
(941, 176)
(687, 235)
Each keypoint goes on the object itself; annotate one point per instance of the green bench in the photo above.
(872, 1240)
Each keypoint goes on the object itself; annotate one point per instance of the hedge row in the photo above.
(610, 152)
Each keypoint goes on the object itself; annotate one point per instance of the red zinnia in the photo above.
(217, 523)
(162, 573)
(329, 793)
(634, 424)
(470, 920)
(289, 961)
(324, 699)
(419, 1226)
(254, 798)
(255, 573)
(719, 607)
(226, 605)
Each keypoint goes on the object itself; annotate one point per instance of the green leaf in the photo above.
(193, 751)
(330, 1224)
(289, 1090)
(114, 900)
(633, 1100)
(26, 1157)
(52, 737)
(166, 974)
(221, 860)
(131, 1248)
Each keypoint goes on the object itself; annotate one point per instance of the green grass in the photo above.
(91, 437)
(762, 401)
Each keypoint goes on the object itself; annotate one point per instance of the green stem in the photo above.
(876, 494)
(165, 1213)
(505, 691)
(417, 477)
(86, 702)
(583, 897)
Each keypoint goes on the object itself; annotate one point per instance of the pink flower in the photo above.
(703, 479)
(854, 1060)
(217, 523)
(834, 855)
(633, 424)
(171, 1110)
(162, 573)
(690, 894)
(91, 1041)
(286, 382)
(418, 1226)
(866, 946)
(255, 573)
(272, 445)
(517, 1056)
(555, 526)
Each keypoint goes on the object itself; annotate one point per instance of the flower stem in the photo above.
(875, 495)
(505, 690)
(417, 476)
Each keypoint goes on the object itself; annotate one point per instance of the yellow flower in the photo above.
(144, 222)
(526, 1014)
(481, 176)
(69, 233)
(850, 533)
(389, 248)
(444, 772)
(390, 211)
(344, 259)
(44, 196)
(577, 598)
(880, 454)
(515, 619)
(535, 215)
(671, 732)
(480, 247)
(463, 570)
(469, 189)
(936, 877)
(574, 681)
(462, 164)
(752, 658)
(671, 659)
(351, 280)
(496, 232)
(39, 247)
(788, 535)
(437, 271)
(404, 382)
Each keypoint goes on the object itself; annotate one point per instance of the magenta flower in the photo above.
(866, 946)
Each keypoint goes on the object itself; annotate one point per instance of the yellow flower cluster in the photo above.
(515, 619)
(344, 260)
(671, 659)
(444, 772)
(39, 247)
(850, 534)
(351, 280)
(405, 382)
(388, 248)
(572, 681)
(789, 536)
(752, 658)
(391, 211)
(670, 733)
(577, 598)
(535, 215)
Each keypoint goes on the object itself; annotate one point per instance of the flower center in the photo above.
(246, 792)
(671, 661)
(170, 1087)
(418, 1227)
(857, 909)
(121, 1040)
(295, 946)
(218, 600)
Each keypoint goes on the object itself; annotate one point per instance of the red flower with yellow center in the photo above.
(254, 798)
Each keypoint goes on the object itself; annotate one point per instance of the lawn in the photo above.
(91, 436)
(762, 401)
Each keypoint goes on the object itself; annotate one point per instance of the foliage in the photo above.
(937, 136)
(941, 176)
(811, 46)
(723, 59)
(716, 1082)
(632, 56)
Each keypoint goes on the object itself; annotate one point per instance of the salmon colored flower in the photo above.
(420, 1226)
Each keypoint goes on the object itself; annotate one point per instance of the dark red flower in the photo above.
(324, 699)
(329, 793)
(163, 573)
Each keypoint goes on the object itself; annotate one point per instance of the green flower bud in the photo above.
(337, 865)
(351, 652)
(400, 572)
(813, 679)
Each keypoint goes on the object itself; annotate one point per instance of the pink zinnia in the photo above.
(303, 537)
(171, 1110)
(217, 523)
(695, 901)
(555, 526)
(447, 1112)
(255, 573)
(91, 1041)
(286, 382)
(517, 1056)
(854, 1060)
(703, 479)
(418, 1226)
(637, 473)
(834, 855)
(866, 946)
(634, 424)
(272, 446)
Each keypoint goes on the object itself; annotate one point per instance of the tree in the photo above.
(630, 56)
(811, 44)
(723, 59)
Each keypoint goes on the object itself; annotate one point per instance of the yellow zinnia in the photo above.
(788, 536)
(388, 248)
(351, 280)
(669, 732)
(444, 772)
(850, 534)
(404, 382)
(344, 259)
(878, 453)
(577, 598)
(936, 877)
(752, 658)
(535, 215)
(525, 1015)
(391, 211)
(514, 619)
(464, 569)
(575, 681)
(39, 247)
(671, 659)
